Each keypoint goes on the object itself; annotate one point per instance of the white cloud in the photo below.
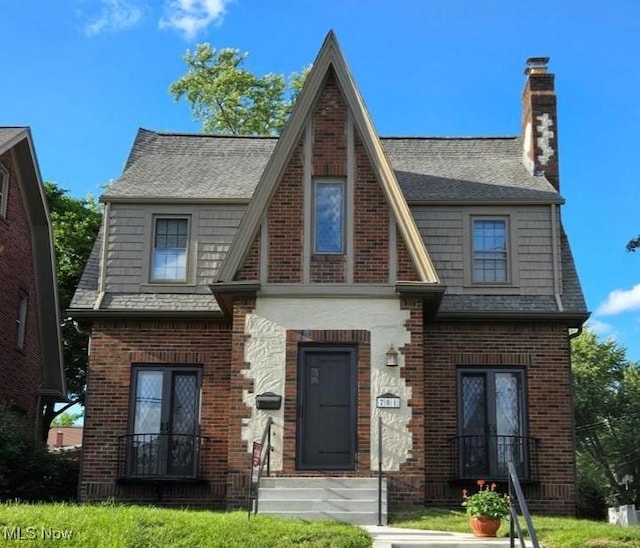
(620, 300)
(191, 16)
(601, 328)
(115, 15)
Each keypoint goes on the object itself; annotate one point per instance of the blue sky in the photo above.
(85, 74)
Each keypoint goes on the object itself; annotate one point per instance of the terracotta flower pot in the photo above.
(484, 526)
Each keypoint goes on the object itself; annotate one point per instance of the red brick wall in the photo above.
(251, 266)
(238, 458)
(286, 224)
(407, 487)
(20, 370)
(116, 346)
(542, 350)
(371, 223)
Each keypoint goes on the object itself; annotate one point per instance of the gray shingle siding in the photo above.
(442, 179)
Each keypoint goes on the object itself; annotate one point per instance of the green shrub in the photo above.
(28, 471)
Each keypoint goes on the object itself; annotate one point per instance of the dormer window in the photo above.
(490, 264)
(329, 216)
(170, 245)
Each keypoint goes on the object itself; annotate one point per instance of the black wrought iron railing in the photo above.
(160, 456)
(517, 496)
(487, 457)
(260, 459)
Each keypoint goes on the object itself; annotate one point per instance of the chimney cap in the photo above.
(536, 65)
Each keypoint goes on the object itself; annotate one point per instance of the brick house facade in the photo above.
(230, 267)
(31, 371)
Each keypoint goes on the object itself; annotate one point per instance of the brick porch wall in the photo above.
(116, 346)
(542, 350)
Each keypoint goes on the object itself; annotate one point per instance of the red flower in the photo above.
(480, 483)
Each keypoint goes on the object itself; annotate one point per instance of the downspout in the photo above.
(556, 259)
(103, 261)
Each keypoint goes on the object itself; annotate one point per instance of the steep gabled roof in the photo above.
(329, 57)
(19, 141)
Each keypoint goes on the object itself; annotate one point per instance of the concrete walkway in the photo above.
(395, 537)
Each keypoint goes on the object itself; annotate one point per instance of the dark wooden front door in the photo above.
(326, 408)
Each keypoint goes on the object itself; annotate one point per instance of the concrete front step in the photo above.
(394, 537)
(320, 505)
(351, 500)
(320, 482)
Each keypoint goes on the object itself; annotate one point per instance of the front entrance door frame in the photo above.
(302, 425)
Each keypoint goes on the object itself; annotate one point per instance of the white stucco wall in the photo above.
(265, 354)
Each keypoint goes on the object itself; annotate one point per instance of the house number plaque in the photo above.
(388, 401)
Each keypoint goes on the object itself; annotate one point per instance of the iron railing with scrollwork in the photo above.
(160, 456)
(487, 457)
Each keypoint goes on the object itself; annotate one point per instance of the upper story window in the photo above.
(4, 191)
(21, 321)
(329, 215)
(490, 260)
(170, 246)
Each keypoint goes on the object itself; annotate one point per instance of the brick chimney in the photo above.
(539, 121)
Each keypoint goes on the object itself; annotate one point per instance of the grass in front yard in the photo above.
(553, 532)
(136, 527)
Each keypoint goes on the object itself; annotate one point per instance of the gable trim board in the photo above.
(329, 57)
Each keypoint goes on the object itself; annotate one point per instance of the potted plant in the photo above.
(486, 508)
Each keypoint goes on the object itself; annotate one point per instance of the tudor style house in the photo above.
(306, 267)
(31, 367)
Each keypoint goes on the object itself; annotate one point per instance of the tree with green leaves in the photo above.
(607, 414)
(75, 223)
(229, 99)
(66, 419)
(634, 244)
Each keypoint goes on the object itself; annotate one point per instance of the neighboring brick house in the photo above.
(31, 368)
(233, 266)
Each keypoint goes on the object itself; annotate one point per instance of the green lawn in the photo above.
(136, 527)
(553, 532)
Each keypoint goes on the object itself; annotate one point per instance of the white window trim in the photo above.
(4, 191)
(345, 209)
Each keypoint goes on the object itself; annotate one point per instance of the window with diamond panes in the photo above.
(490, 251)
(171, 238)
(492, 423)
(164, 438)
(329, 213)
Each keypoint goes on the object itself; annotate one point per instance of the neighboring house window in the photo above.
(165, 408)
(4, 191)
(492, 423)
(329, 216)
(21, 321)
(170, 244)
(490, 251)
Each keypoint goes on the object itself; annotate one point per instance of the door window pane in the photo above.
(165, 425)
(492, 423)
